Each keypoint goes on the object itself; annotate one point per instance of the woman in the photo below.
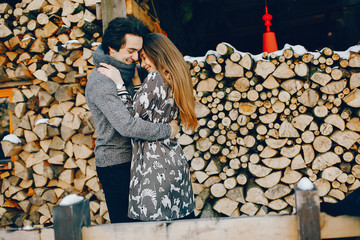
(160, 186)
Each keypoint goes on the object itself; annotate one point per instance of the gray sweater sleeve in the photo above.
(105, 97)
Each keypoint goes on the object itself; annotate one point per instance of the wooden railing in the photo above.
(71, 223)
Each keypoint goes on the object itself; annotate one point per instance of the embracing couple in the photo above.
(136, 110)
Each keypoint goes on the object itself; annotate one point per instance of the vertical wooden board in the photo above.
(308, 214)
(112, 9)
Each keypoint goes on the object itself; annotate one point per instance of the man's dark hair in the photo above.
(114, 35)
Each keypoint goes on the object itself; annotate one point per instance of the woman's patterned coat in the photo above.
(160, 186)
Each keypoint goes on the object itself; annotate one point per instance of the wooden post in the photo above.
(308, 213)
(112, 9)
(7, 93)
(68, 220)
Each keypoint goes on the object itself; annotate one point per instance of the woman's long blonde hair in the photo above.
(173, 68)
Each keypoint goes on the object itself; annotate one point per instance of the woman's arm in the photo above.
(112, 73)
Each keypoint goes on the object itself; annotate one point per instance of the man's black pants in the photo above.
(115, 181)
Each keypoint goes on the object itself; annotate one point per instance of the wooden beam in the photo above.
(258, 227)
(112, 9)
(11, 84)
(339, 227)
(261, 227)
(7, 93)
(33, 234)
(270, 227)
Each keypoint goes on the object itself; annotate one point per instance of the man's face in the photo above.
(129, 52)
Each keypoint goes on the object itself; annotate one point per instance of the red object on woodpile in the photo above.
(269, 39)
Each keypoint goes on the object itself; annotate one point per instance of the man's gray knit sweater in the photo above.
(114, 124)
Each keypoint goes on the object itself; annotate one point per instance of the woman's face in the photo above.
(146, 62)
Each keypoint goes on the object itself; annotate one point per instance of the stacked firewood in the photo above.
(50, 42)
(267, 121)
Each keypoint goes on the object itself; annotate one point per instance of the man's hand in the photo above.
(175, 128)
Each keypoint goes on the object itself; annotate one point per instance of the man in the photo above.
(122, 40)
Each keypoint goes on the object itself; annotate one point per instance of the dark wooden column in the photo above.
(308, 213)
(69, 219)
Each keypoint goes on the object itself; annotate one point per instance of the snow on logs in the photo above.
(268, 120)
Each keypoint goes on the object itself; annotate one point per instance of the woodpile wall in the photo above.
(49, 42)
(267, 121)
(264, 123)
